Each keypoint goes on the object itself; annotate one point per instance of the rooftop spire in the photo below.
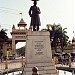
(22, 23)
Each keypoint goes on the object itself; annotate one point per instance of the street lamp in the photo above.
(6, 61)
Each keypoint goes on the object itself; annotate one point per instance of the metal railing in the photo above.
(11, 64)
(16, 71)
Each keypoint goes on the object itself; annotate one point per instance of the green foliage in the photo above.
(57, 32)
(3, 35)
(68, 44)
(21, 51)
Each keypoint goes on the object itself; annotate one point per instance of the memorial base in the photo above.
(38, 53)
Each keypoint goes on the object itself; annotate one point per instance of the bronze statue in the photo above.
(34, 12)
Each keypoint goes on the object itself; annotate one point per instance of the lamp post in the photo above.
(69, 61)
(6, 61)
(22, 62)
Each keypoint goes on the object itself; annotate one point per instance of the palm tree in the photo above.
(56, 32)
(56, 29)
(3, 38)
(63, 38)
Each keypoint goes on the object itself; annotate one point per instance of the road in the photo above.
(17, 63)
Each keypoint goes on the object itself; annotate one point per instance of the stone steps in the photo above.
(43, 68)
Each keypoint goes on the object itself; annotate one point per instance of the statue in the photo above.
(34, 12)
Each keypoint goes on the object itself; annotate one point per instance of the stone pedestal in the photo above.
(39, 54)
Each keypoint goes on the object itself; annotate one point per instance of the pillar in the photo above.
(13, 47)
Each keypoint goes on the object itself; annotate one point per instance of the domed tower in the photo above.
(73, 49)
(73, 44)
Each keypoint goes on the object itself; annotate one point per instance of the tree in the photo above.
(57, 32)
(3, 38)
(3, 35)
(21, 51)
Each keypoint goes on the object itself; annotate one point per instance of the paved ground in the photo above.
(17, 63)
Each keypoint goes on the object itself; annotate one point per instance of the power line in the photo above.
(6, 11)
(5, 26)
(9, 8)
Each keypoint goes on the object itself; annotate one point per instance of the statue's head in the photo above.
(34, 0)
(35, 3)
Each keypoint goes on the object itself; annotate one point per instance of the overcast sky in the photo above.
(52, 11)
